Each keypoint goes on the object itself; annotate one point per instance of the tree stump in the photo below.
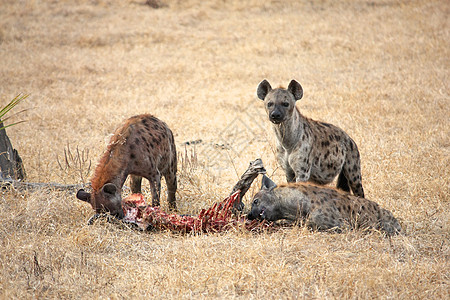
(11, 166)
(12, 172)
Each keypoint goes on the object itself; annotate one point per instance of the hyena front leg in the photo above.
(171, 182)
(283, 161)
(290, 174)
(301, 166)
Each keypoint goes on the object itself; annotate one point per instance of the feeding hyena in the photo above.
(141, 147)
(319, 208)
(310, 150)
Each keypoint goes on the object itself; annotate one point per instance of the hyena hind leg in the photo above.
(136, 184)
(342, 182)
(324, 219)
(353, 175)
(388, 223)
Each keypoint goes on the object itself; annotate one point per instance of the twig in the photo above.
(20, 185)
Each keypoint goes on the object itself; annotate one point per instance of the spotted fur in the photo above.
(320, 208)
(310, 150)
(143, 146)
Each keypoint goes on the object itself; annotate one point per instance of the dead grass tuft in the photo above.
(378, 69)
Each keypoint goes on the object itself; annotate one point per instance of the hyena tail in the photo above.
(342, 182)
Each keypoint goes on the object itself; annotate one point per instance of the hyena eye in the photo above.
(270, 104)
(256, 201)
(285, 104)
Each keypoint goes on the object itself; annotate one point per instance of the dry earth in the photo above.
(377, 69)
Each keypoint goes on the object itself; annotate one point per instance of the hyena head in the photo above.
(107, 199)
(264, 204)
(280, 102)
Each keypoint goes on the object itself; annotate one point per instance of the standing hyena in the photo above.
(142, 147)
(319, 207)
(309, 150)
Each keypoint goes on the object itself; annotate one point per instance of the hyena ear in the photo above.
(83, 195)
(296, 89)
(267, 184)
(263, 89)
(109, 189)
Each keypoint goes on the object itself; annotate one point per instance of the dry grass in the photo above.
(378, 69)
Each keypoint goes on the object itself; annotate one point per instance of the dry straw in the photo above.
(377, 69)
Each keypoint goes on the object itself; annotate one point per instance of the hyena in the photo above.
(310, 150)
(319, 208)
(143, 146)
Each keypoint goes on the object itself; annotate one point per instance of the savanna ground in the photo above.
(377, 69)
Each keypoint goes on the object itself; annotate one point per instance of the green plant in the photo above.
(10, 106)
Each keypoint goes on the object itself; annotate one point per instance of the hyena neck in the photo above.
(290, 131)
(283, 210)
(110, 169)
(292, 205)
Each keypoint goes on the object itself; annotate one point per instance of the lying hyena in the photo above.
(319, 208)
(309, 150)
(142, 147)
